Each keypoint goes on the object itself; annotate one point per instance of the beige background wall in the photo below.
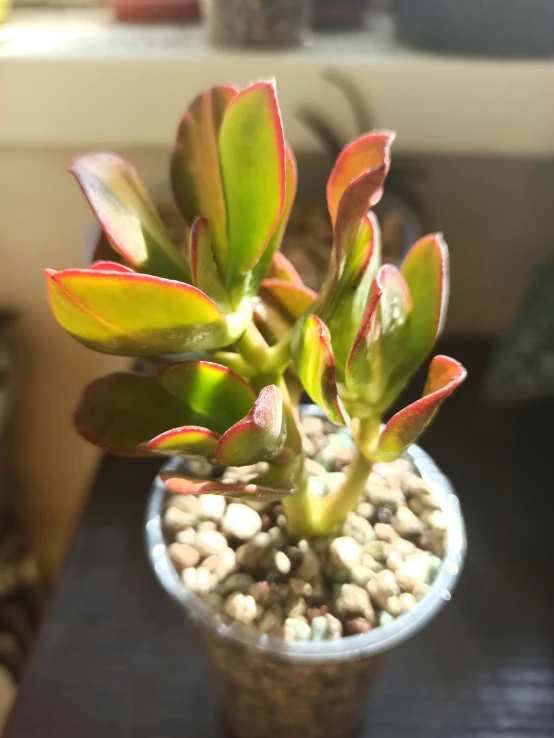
(497, 217)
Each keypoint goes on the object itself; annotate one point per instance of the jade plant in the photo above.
(249, 335)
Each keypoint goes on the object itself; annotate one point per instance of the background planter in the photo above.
(151, 11)
(339, 14)
(262, 23)
(315, 689)
(487, 27)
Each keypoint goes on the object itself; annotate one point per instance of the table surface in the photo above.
(114, 657)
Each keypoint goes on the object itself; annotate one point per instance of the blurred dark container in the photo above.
(154, 11)
(339, 14)
(507, 28)
(270, 24)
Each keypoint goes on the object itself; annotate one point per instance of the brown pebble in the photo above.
(295, 555)
(183, 556)
(266, 522)
(423, 542)
(316, 612)
(357, 625)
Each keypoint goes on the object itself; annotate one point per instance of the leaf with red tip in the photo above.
(189, 440)
(293, 300)
(252, 152)
(379, 344)
(205, 274)
(315, 363)
(128, 216)
(131, 314)
(281, 268)
(343, 298)
(291, 184)
(121, 411)
(426, 271)
(259, 436)
(109, 266)
(367, 153)
(404, 428)
(182, 485)
(195, 167)
(213, 392)
(355, 203)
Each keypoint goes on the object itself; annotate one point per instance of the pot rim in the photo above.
(346, 648)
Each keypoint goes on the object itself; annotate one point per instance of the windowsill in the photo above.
(75, 77)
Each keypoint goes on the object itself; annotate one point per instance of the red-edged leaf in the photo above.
(315, 363)
(403, 429)
(343, 297)
(355, 203)
(212, 391)
(259, 436)
(131, 314)
(379, 344)
(252, 151)
(121, 411)
(281, 268)
(205, 274)
(128, 216)
(195, 167)
(179, 484)
(361, 156)
(292, 299)
(189, 440)
(109, 266)
(426, 271)
(104, 251)
(291, 184)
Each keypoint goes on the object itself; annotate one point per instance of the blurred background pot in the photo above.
(152, 11)
(339, 14)
(261, 23)
(518, 28)
(313, 689)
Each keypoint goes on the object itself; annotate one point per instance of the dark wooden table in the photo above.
(114, 658)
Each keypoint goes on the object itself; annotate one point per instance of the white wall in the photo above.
(497, 217)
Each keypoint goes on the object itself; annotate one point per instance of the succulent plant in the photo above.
(253, 335)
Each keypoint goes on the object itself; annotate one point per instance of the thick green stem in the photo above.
(336, 507)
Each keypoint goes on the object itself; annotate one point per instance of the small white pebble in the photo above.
(212, 507)
(177, 520)
(210, 542)
(241, 521)
(385, 532)
(183, 556)
(406, 524)
(282, 563)
(345, 552)
(186, 503)
(186, 536)
(300, 587)
(394, 560)
(407, 602)
(240, 607)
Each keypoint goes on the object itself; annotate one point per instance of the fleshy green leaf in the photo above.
(121, 411)
(315, 363)
(379, 344)
(281, 268)
(259, 436)
(292, 299)
(252, 151)
(344, 296)
(291, 183)
(205, 274)
(195, 167)
(180, 484)
(426, 271)
(404, 428)
(217, 395)
(131, 314)
(128, 215)
(189, 440)
(361, 156)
